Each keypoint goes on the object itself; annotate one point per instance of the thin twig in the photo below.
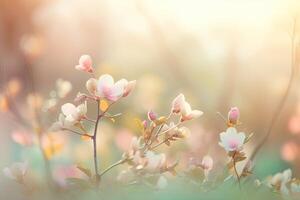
(235, 170)
(94, 137)
(176, 125)
(76, 132)
(112, 166)
(222, 117)
(162, 142)
(90, 120)
(283, 99)
(165, 140)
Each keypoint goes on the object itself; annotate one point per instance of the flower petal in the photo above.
(104, 84)
(68, 109)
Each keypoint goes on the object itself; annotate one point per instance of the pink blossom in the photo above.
(231, 140)
(187, 113)
(177, 103)
(70, 115)
(107, 88)
(85, 64)
(181, 106)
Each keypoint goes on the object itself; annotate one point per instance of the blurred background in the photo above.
(219, 53)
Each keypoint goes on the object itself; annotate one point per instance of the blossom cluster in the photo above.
(284, 183)
(142, 163)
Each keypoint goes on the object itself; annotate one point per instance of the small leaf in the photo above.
(103, 105)
(85, 171)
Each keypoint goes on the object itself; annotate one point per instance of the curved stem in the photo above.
(75, 132)
(235, 170)
(112, 166)
(283, 99)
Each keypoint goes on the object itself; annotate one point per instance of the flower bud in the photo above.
(91, 86)
(129, 87)
(145, 124)
(152, 115)
(207, 163)
(233, 115)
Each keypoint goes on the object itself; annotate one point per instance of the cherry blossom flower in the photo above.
(179, 105)
(187, 113)
(231, 140)
(85, 64)
(72, 113)
(280, 181)
(70, 116)
(107, 88)
(16, 171)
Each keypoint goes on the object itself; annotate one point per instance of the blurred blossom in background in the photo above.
(219, 53)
